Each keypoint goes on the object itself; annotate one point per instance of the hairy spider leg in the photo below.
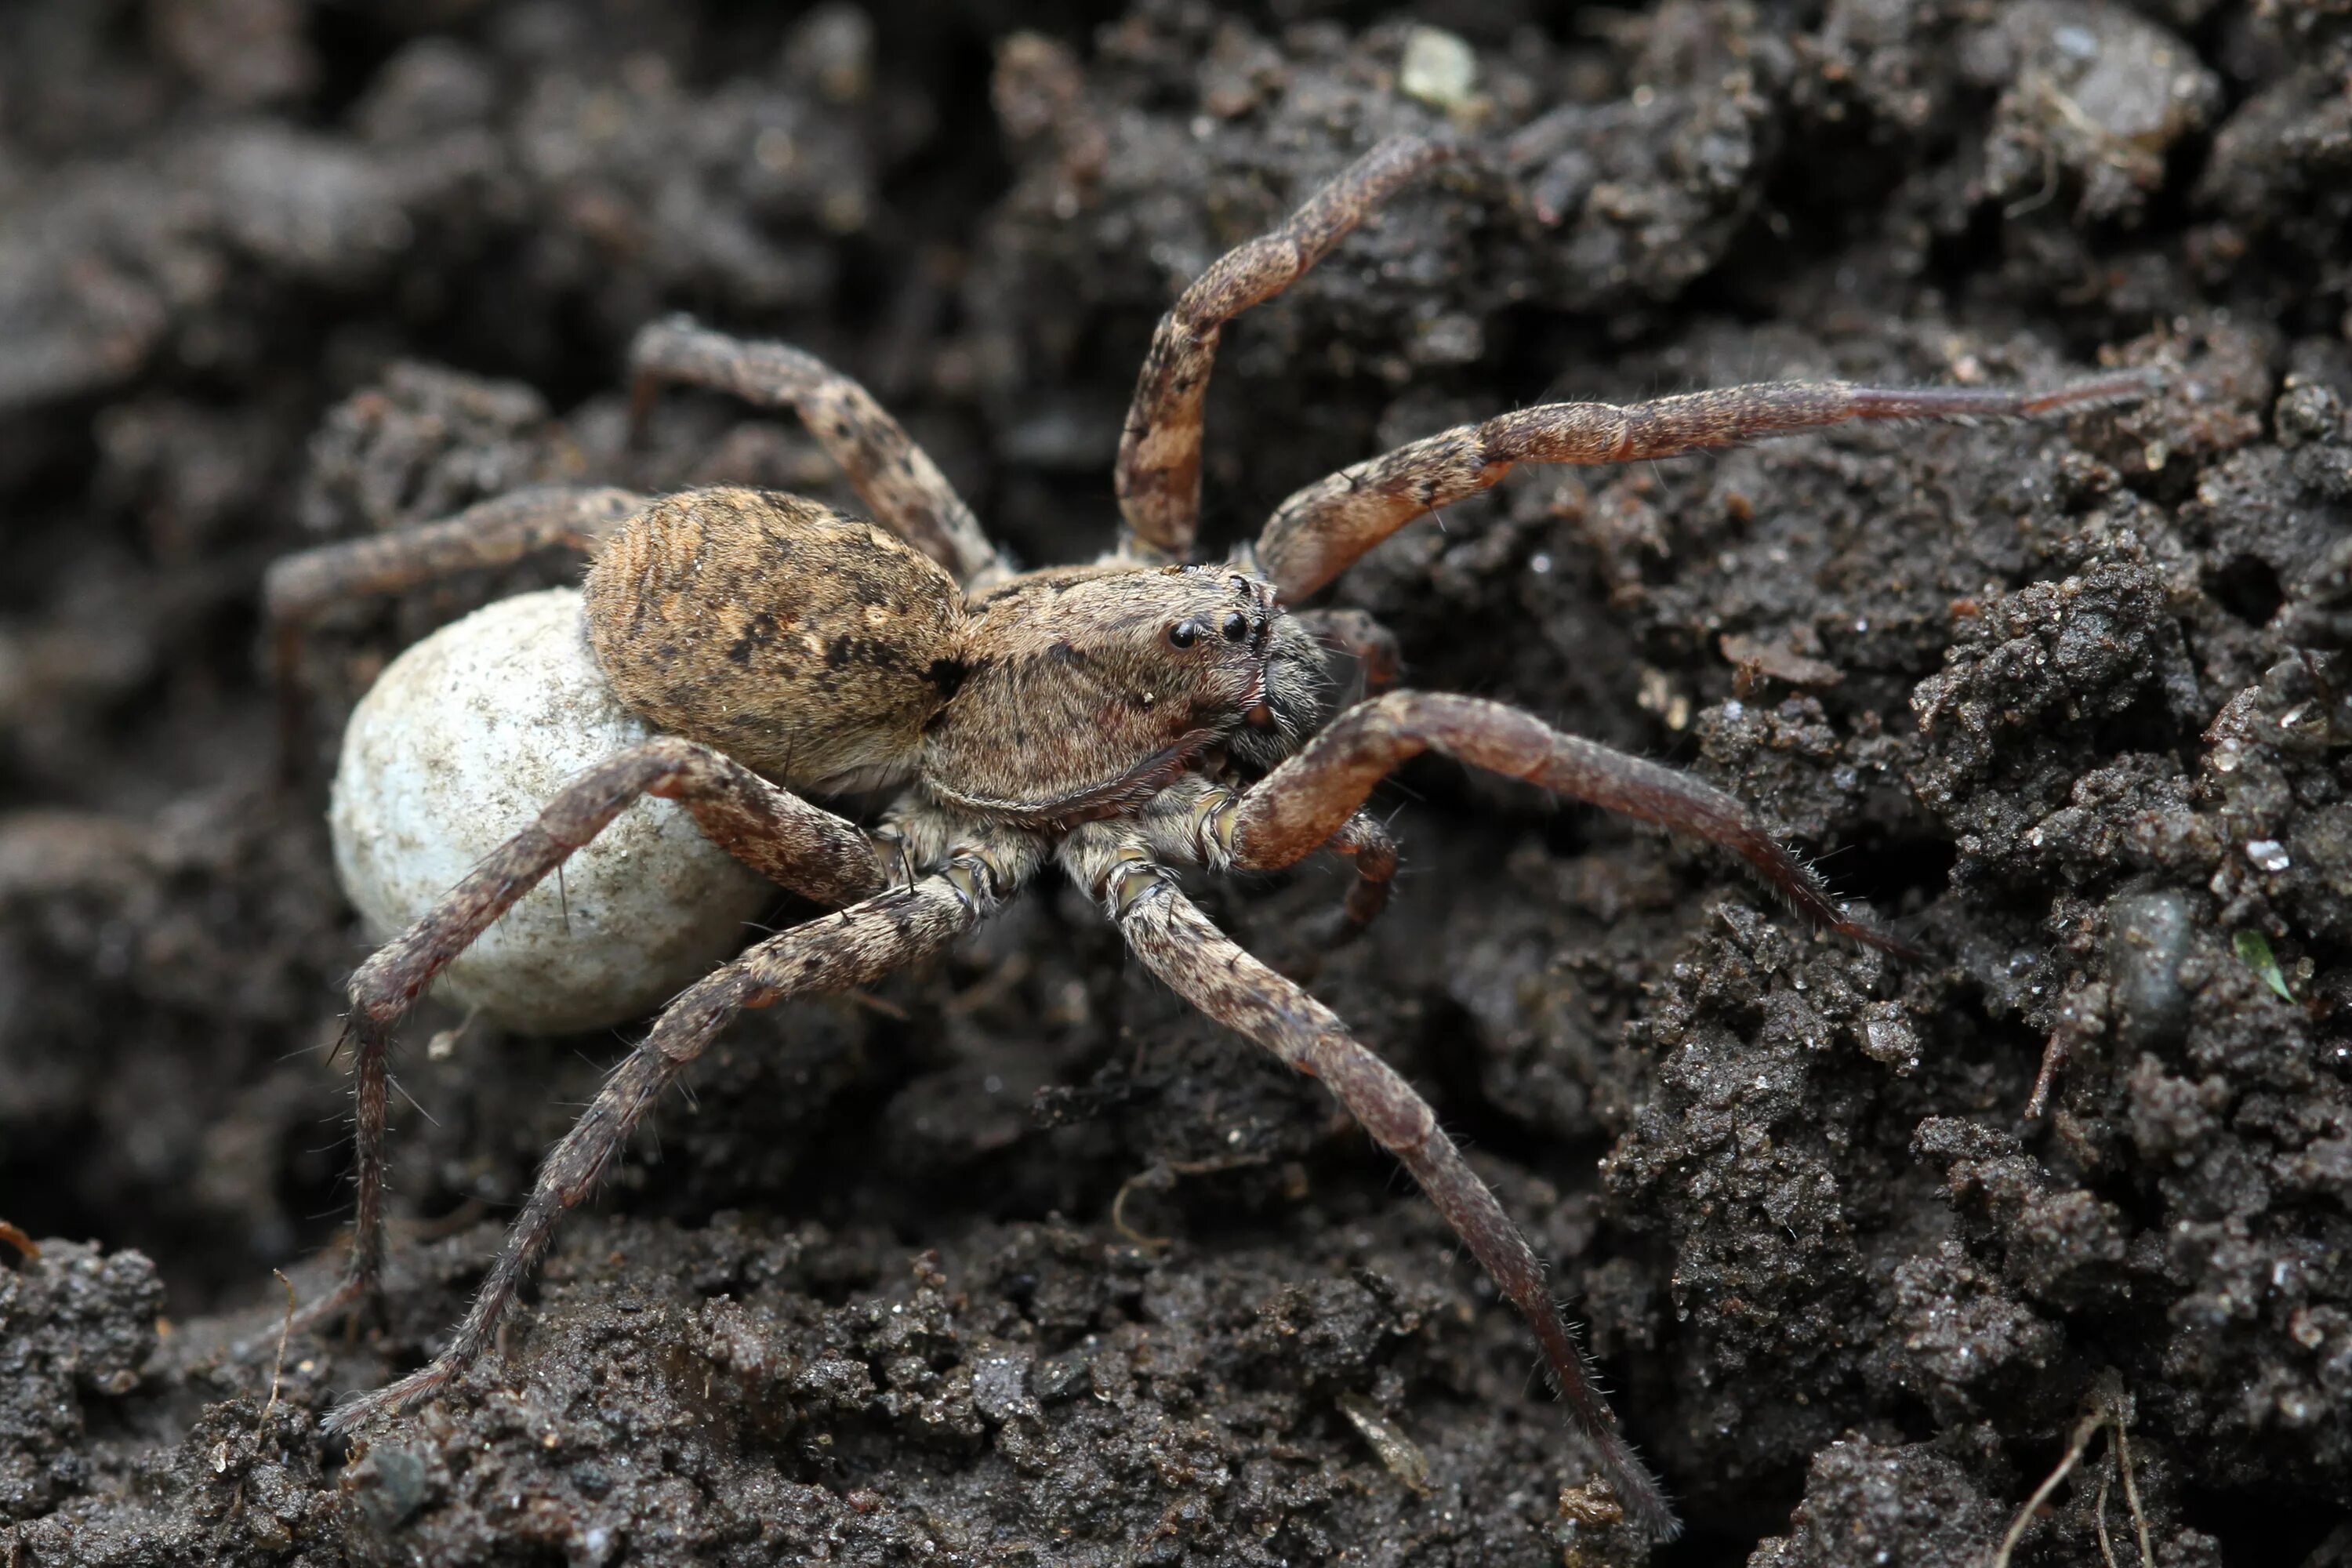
(1321, 530)
(1159, 474)
(895, 478)
(1217, 976)
(1314, 801)
(1192, 823)
(855, 947)
(1295, 809)
(785, 838)
(298, 591)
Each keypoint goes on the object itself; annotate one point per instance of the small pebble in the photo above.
(2148, 934)
(2268, 855)
(1438, 69)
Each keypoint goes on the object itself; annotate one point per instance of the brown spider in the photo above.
(1121, 718)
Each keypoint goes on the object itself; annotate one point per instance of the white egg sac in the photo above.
(462, 741)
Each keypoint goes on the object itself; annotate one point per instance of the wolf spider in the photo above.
(1121, 718)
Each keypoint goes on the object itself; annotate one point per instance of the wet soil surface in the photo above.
(1014, 1259)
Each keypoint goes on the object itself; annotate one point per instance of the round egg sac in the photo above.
(459, 745)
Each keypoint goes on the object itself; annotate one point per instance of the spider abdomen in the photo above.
(808, 646)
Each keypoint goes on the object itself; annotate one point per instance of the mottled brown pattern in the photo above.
(896, 478)
(1303, 803)
(1208, 969)
(811, 646)
(1320, 531)
(1158, 473)
(1073, 682)
(1130, 716)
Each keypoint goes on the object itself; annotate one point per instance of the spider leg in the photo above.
(1365, 839)
(1297, 808)
(298, 590)
(1159, 474)
(777, 834)
(896, 481)
(1213, 973)
(1192, 823)
(856, 947)
(1318, 532)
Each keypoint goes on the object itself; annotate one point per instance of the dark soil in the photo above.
(2070, 704)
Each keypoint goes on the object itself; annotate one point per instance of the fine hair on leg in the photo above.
(1320, 531)
(1192, 823)
(855, 947)
(1158, 473)
(895, 478)
(1215, 974)
(1295, 809)
(785, 838)
(1365, 839)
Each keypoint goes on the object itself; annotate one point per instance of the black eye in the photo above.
(1185, 634)
(1237, 626)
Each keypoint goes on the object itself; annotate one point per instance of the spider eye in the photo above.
(1237, 626)
(1185, 634)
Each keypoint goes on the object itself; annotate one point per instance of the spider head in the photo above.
(1229, 631)
(1297, 682)
(1087, 689)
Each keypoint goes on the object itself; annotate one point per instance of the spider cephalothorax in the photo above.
(1087, 690)
(1125, 718)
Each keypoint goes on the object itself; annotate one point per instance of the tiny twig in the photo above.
(467, 1211)
(881, 1004)
(2042, 197)
(284, 1330)
(443, 1044)
(2054, 1057)
(1156, 1175)
(2131, 1493)
(2084, 1430)
(2107, 1412)
(991, 988)
(16, 1238)
(1160, 1176)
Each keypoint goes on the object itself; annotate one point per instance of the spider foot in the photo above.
(1862, 928)
(393, 1399)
